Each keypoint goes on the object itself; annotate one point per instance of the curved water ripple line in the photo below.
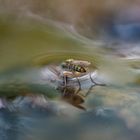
(59, 56)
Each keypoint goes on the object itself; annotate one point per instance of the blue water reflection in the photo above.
(43, 124)
(126, 32)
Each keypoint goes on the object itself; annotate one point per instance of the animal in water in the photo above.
(75, 69)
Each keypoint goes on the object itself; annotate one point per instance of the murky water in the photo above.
(31, 51)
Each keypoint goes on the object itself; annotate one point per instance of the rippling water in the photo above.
(32, 49)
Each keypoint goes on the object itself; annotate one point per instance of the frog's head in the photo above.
(69, 60)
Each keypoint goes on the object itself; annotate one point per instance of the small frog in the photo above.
(76, 68)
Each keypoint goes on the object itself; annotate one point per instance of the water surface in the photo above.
(27, 51)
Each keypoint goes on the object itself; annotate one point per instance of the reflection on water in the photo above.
(30, 55)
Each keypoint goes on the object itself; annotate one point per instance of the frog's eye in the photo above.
(63, 65)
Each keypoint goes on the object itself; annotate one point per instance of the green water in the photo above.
(27, 46)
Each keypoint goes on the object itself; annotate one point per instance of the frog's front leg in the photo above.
(72, 74)
(66, 74)
(76, 74)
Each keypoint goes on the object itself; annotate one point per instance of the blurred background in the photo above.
(37, 34)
